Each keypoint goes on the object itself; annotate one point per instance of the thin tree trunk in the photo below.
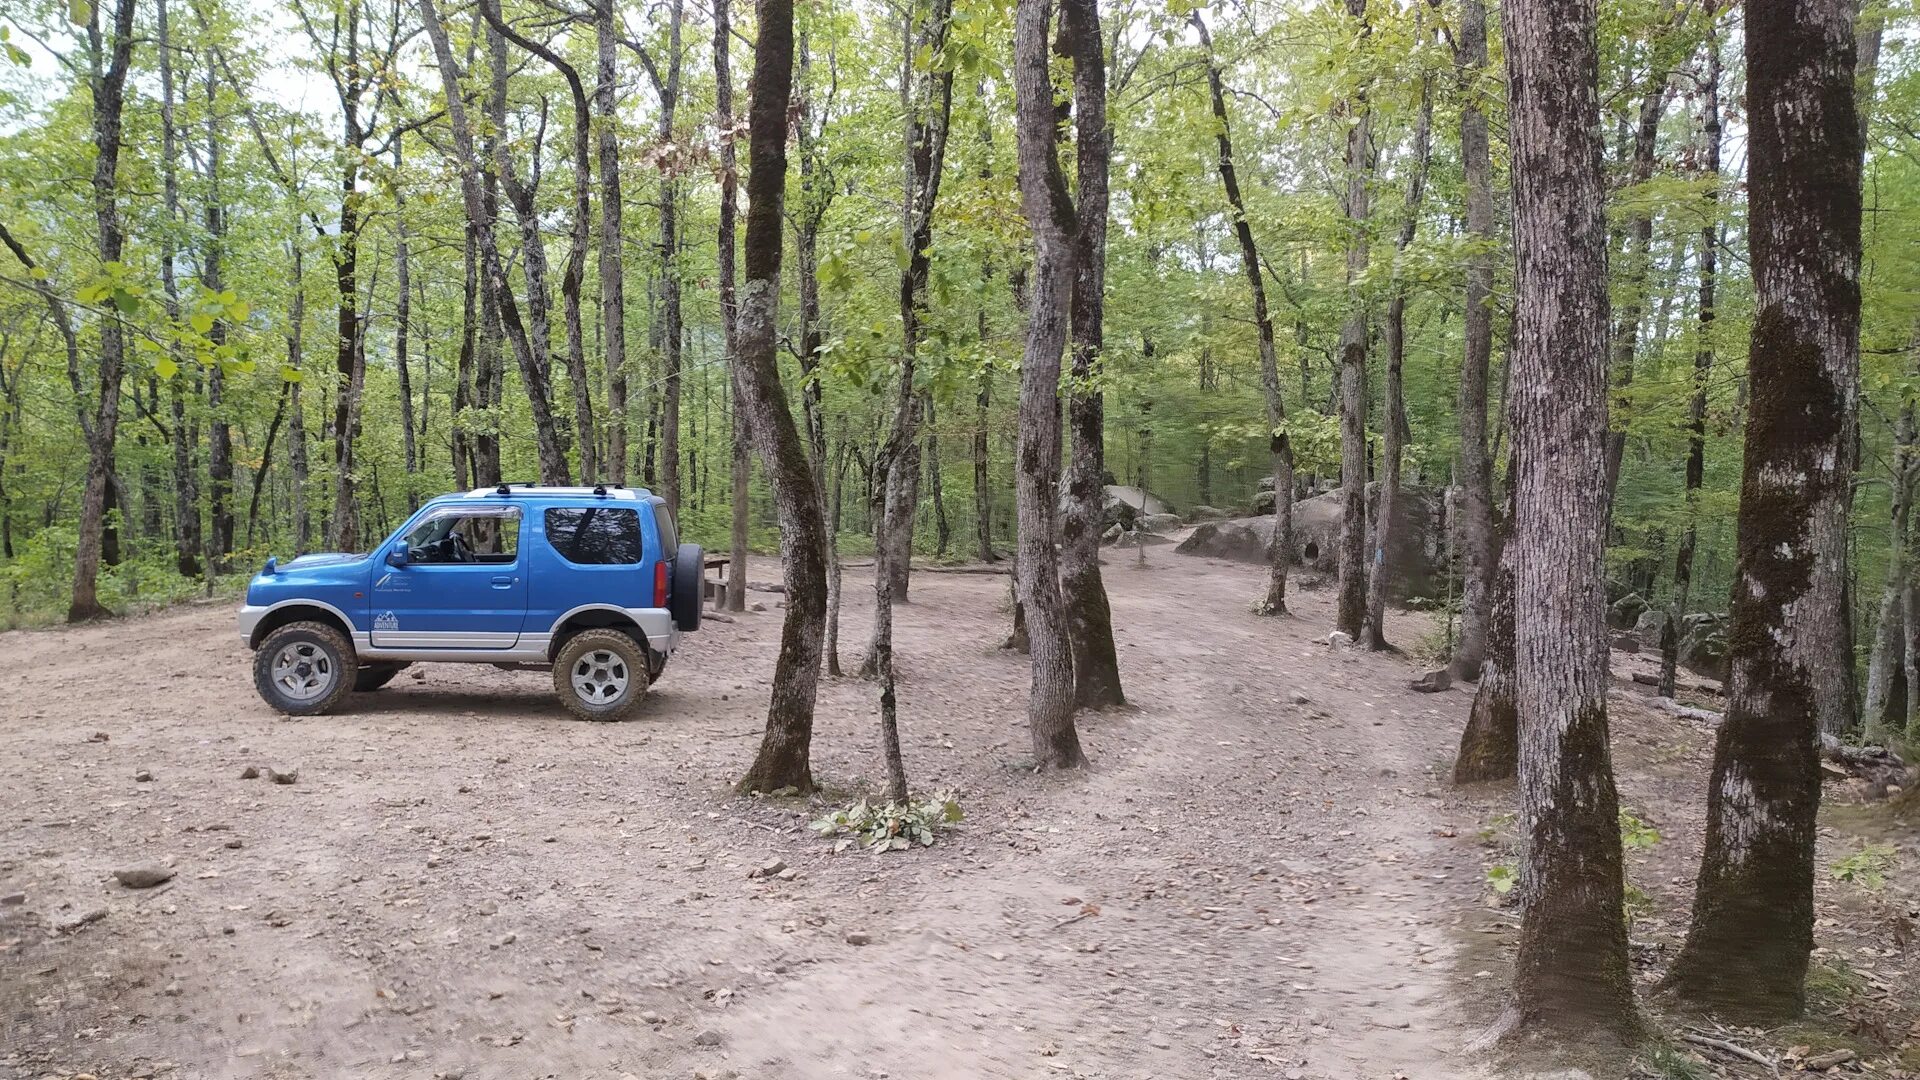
(1279, 447)
(1636, 256)
(1702, 367)
(266, 460)
(297, 424)
(1571, 977)
(1050, 216)
(402, 332)
(1886, 714)
(839, 470)
(109, 97)
(983, 394)
(613, 329)
(782, 761)
(741, 472)
(1395, 433)
(578, 227)
(942, 528)
(1350, 602)
(1096, 662)
(928, 107)
(219, 428)
(186, 493)
(670, 329)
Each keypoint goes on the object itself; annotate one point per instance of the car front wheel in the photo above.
(305, 669)
(601, 675)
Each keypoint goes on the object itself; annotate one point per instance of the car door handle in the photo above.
(504, 582)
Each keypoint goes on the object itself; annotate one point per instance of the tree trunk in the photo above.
(1746, 951)
(1350, 602)
(109, 96)
(983, 381)
(1050, 216)
(1702, 366)
(833, 560)
(942, 528)
(1885, 714)
(577, 234)
(297, 422)
(782, 761)
(928, 108)
(186, 493)
(1279, 448)
(741, 472)
(548, 441)
(1490, 744)
(1571, 977)
(1395, 433)
(671, 331)
(1636, 256)
(613, 304)
(219, 428)
(1096, 662)
(402, 331)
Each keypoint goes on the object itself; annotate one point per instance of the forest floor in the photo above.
(1264, 874)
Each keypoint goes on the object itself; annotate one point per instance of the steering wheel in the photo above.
(458, 551)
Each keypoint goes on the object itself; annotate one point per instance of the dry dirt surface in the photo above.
(1264, 873)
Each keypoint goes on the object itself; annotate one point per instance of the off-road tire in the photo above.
(686, 594)
(329, 651)
(593, 662)
(373, 676)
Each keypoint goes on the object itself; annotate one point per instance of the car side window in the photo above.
(669, 537)
(595, 535)
(466, 538)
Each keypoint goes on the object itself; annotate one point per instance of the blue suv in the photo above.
(590, 582)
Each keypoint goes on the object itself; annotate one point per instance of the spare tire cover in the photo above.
(684, 599)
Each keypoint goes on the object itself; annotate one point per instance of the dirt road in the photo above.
(464, 882)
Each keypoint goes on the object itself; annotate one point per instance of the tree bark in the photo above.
(186, 492)
(1096, 662)
(219, 428)
(1886, 714)
(983, 381)
(1571, 977)
(928, 108)
(1279, 448)
(1050, 216)
(578, 228)
(1746, 951)
(1350, 602)
(741, 472)
(782, 761)
(1395, 433)
(109, 85)
(613, 304)
(671, 330)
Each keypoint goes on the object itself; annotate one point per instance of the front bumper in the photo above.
(249, 619)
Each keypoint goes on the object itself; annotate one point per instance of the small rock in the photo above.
(235, 844)
(1299, 697)
(145, 876)
(1823, 1062)
(99, 736)
(788, 874)
(767, 869)
(288, 777)
(648, 1016)
(859, 937)
(251, 772)
(1158, 1040)
(143, 777)
(707, 1037)
(756, 606)
(85, 918)
(1339, 639)
(173, 989)
(13, 899)
(506, 940)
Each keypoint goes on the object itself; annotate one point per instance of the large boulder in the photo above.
(1263, 500)
(1238, 540)
(1417, 559)
(1160, 523)
(1624, 613)
(1703, 644)
(1121, 505)
(1142, 500)
(1207, 513)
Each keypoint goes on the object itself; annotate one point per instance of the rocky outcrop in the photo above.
(1417, 559)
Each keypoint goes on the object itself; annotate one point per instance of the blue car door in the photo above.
(461, 585)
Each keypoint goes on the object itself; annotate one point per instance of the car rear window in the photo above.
(595, 535)
(669, 539)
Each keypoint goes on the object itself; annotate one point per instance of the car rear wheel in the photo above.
(601, 675)
(305, 669)
(684, 600)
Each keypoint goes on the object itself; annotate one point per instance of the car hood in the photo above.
(323, 558)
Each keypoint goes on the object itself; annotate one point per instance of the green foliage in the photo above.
(1503, 876)
(1636, 835)
(880, 827)
(1866, 868)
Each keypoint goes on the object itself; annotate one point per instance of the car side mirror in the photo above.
(399, 554)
